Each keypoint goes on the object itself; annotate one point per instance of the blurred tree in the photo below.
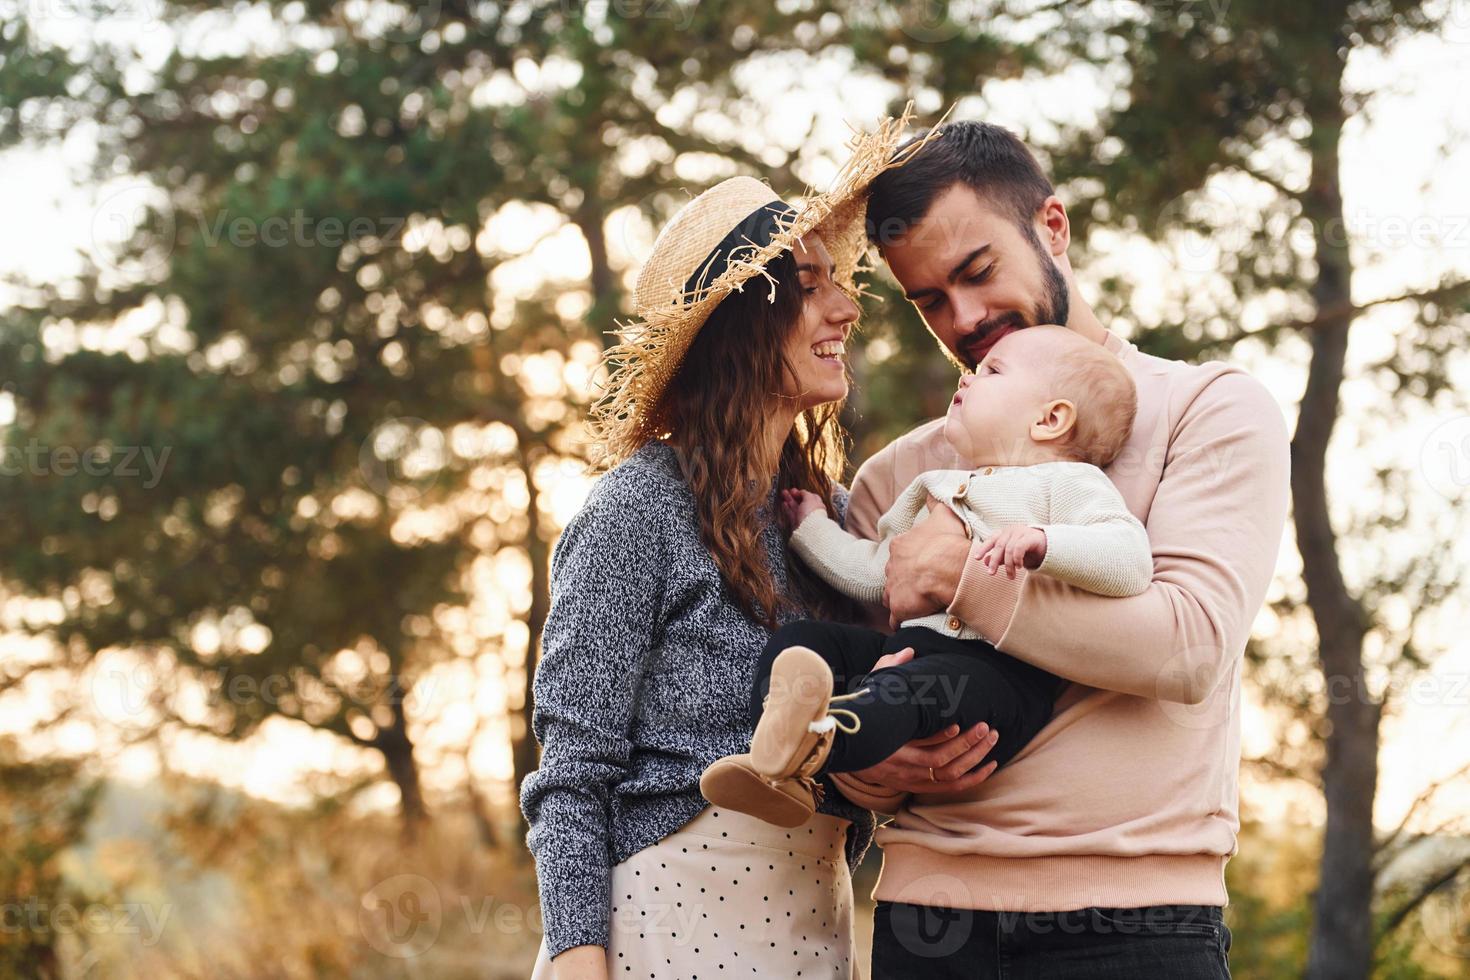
(940, 53)
(44, 807)
(1229, 126)
(1269, 915)
(360, 336)
(367, 267)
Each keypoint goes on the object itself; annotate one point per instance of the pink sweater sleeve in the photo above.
(1214, 526)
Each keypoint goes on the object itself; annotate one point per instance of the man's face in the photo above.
(974, 275)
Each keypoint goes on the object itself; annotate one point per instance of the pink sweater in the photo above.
(1128, 797)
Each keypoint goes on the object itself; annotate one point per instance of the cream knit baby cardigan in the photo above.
(1092, 541)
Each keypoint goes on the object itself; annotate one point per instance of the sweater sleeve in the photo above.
(1214, 524)
(873, 492)
(606, 592)
(851, 565)
(1092, 541)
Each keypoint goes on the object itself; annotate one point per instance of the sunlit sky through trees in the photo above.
(1408, 213)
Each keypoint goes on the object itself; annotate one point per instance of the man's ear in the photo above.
(1058, 417)
(1053, 226)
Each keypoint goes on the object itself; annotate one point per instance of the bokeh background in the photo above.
(301, 310)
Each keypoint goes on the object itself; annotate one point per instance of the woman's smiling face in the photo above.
(816, 349)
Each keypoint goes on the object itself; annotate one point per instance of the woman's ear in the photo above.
(1058, 417)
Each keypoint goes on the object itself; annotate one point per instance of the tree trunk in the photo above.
(403, 769)
(523, 751)
(1341, 945)
(607, 297)
(482, 816)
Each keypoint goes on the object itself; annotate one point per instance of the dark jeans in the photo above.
(949, 681)
(1162, 942)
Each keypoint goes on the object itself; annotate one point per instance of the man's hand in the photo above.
(924, 566)
(948, 756)
(1013, 547)
(798, 505)
(951, 755)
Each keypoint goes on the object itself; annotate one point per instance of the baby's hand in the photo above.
(1012, 548)
(798, 505)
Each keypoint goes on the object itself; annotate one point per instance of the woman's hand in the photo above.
(948, 756)
(580, 963)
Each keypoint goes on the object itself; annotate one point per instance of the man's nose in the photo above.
(968, 314)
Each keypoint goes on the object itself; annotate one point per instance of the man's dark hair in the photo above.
(989, 159)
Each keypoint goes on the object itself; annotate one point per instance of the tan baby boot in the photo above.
(794, 724)
(732, 783)
(776, 780)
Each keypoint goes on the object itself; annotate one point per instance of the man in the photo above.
(1099, 850)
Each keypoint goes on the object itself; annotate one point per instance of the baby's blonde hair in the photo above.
(1093, 379)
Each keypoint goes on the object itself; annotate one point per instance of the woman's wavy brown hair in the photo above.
(715, 412)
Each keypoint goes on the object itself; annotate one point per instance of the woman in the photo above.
(666, 586)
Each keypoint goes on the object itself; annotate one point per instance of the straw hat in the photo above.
(712, 247)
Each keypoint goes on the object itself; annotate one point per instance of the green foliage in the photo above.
(333, 345)
(44, 807)
(352, 396)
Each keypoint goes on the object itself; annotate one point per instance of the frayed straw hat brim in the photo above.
(652, 346)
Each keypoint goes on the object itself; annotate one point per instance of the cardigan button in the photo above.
(963, 489)
(954, 623)
(989, 470)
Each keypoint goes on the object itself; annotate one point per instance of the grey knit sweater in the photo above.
(644, 680)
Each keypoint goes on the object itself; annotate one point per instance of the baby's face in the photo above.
(990, 417)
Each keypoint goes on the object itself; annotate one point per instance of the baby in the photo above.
(1035, 422)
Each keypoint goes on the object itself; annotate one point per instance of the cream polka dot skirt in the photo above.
(727, 896)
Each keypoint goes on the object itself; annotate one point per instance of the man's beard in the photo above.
(1057, 305)
(1054, 306)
